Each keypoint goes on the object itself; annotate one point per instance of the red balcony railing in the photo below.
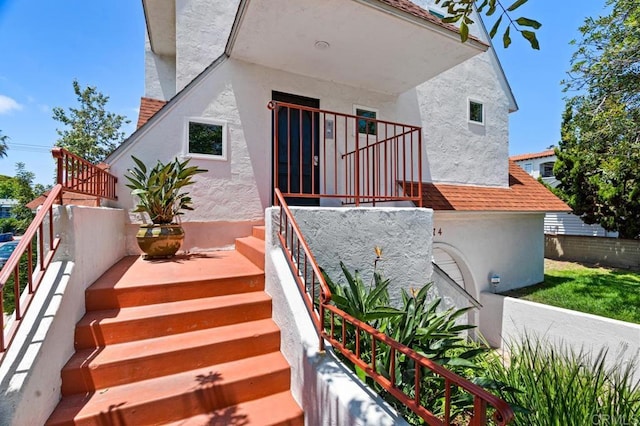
(331, 325)
(326, 154)
(76, 174)
(34, 253)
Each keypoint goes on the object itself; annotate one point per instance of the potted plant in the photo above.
(159, 195)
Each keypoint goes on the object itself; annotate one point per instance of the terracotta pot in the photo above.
(160, 241)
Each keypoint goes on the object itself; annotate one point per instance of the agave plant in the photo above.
(159, 189)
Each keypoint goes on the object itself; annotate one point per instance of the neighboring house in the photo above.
(6, 206)
(540, 165)
(215, 66)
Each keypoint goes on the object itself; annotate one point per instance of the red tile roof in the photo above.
(148, 108)
(520, 157)
(415, 10)
(524, 194)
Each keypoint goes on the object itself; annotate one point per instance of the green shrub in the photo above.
(560, 386)
(418, 324)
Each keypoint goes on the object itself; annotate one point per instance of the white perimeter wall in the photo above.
(483, 244)
(92, 241)
(506, 319)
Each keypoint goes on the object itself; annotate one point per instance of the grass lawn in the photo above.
(612, 293)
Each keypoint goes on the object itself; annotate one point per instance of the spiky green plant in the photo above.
(159, 189)
(561, 386)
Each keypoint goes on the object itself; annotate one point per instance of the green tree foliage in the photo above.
(460, 11)
(599, 155)
(24, 193)
(90, 131)
(3, 145)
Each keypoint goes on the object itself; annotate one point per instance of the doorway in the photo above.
(298, 148)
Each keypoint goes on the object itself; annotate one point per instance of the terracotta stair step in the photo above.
(100, 328)
(274, 410)
(253, 249)
(134, 282)
(178, 396)
(112, 365)
(258, 232)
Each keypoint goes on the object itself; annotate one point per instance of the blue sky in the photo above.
(45, 44)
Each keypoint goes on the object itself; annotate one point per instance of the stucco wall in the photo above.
(329, 393)
(30, 372)
(160, 74)
(506, 319)
(202, 30)
(484, 244)
(350, 235)
(458, 151)
(239, 188)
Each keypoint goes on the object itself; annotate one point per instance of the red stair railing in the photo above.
(326, 154)
(74, 175)
(317, 298)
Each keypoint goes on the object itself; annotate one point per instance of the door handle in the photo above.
(315, 161)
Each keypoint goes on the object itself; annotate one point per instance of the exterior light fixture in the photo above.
(322, 45)
(495, 281)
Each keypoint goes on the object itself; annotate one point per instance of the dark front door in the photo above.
(297, 149)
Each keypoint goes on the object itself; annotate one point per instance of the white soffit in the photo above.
(370, 45)
(160, 16)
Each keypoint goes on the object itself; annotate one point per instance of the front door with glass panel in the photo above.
(297, 149)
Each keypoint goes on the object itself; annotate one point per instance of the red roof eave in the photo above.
(524, 194)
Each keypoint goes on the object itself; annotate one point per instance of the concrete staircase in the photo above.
(186, 341)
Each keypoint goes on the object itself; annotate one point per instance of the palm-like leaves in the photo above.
(158, 189)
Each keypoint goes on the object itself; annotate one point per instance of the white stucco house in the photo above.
(377, 125)
(540, 165)
(442, 105)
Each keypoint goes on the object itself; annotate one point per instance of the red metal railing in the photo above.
(317, 298)
(326, 154)
(76, 174)
(34, 276)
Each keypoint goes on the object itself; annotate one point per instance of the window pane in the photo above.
(205, 138)
(475, 112)
(364, 126)
(546, 169)
(528, 167)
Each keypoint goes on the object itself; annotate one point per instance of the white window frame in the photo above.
(528, 165)
(356, 107)
(205, 120)
(484, 111)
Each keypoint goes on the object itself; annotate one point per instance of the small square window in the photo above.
(528, 167)
(366, 127)
(206, 139)
(476, 112)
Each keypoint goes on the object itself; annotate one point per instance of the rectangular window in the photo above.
(476, 112)
(367, 127)
(528, 167)
(206, 138)
(546, 169)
